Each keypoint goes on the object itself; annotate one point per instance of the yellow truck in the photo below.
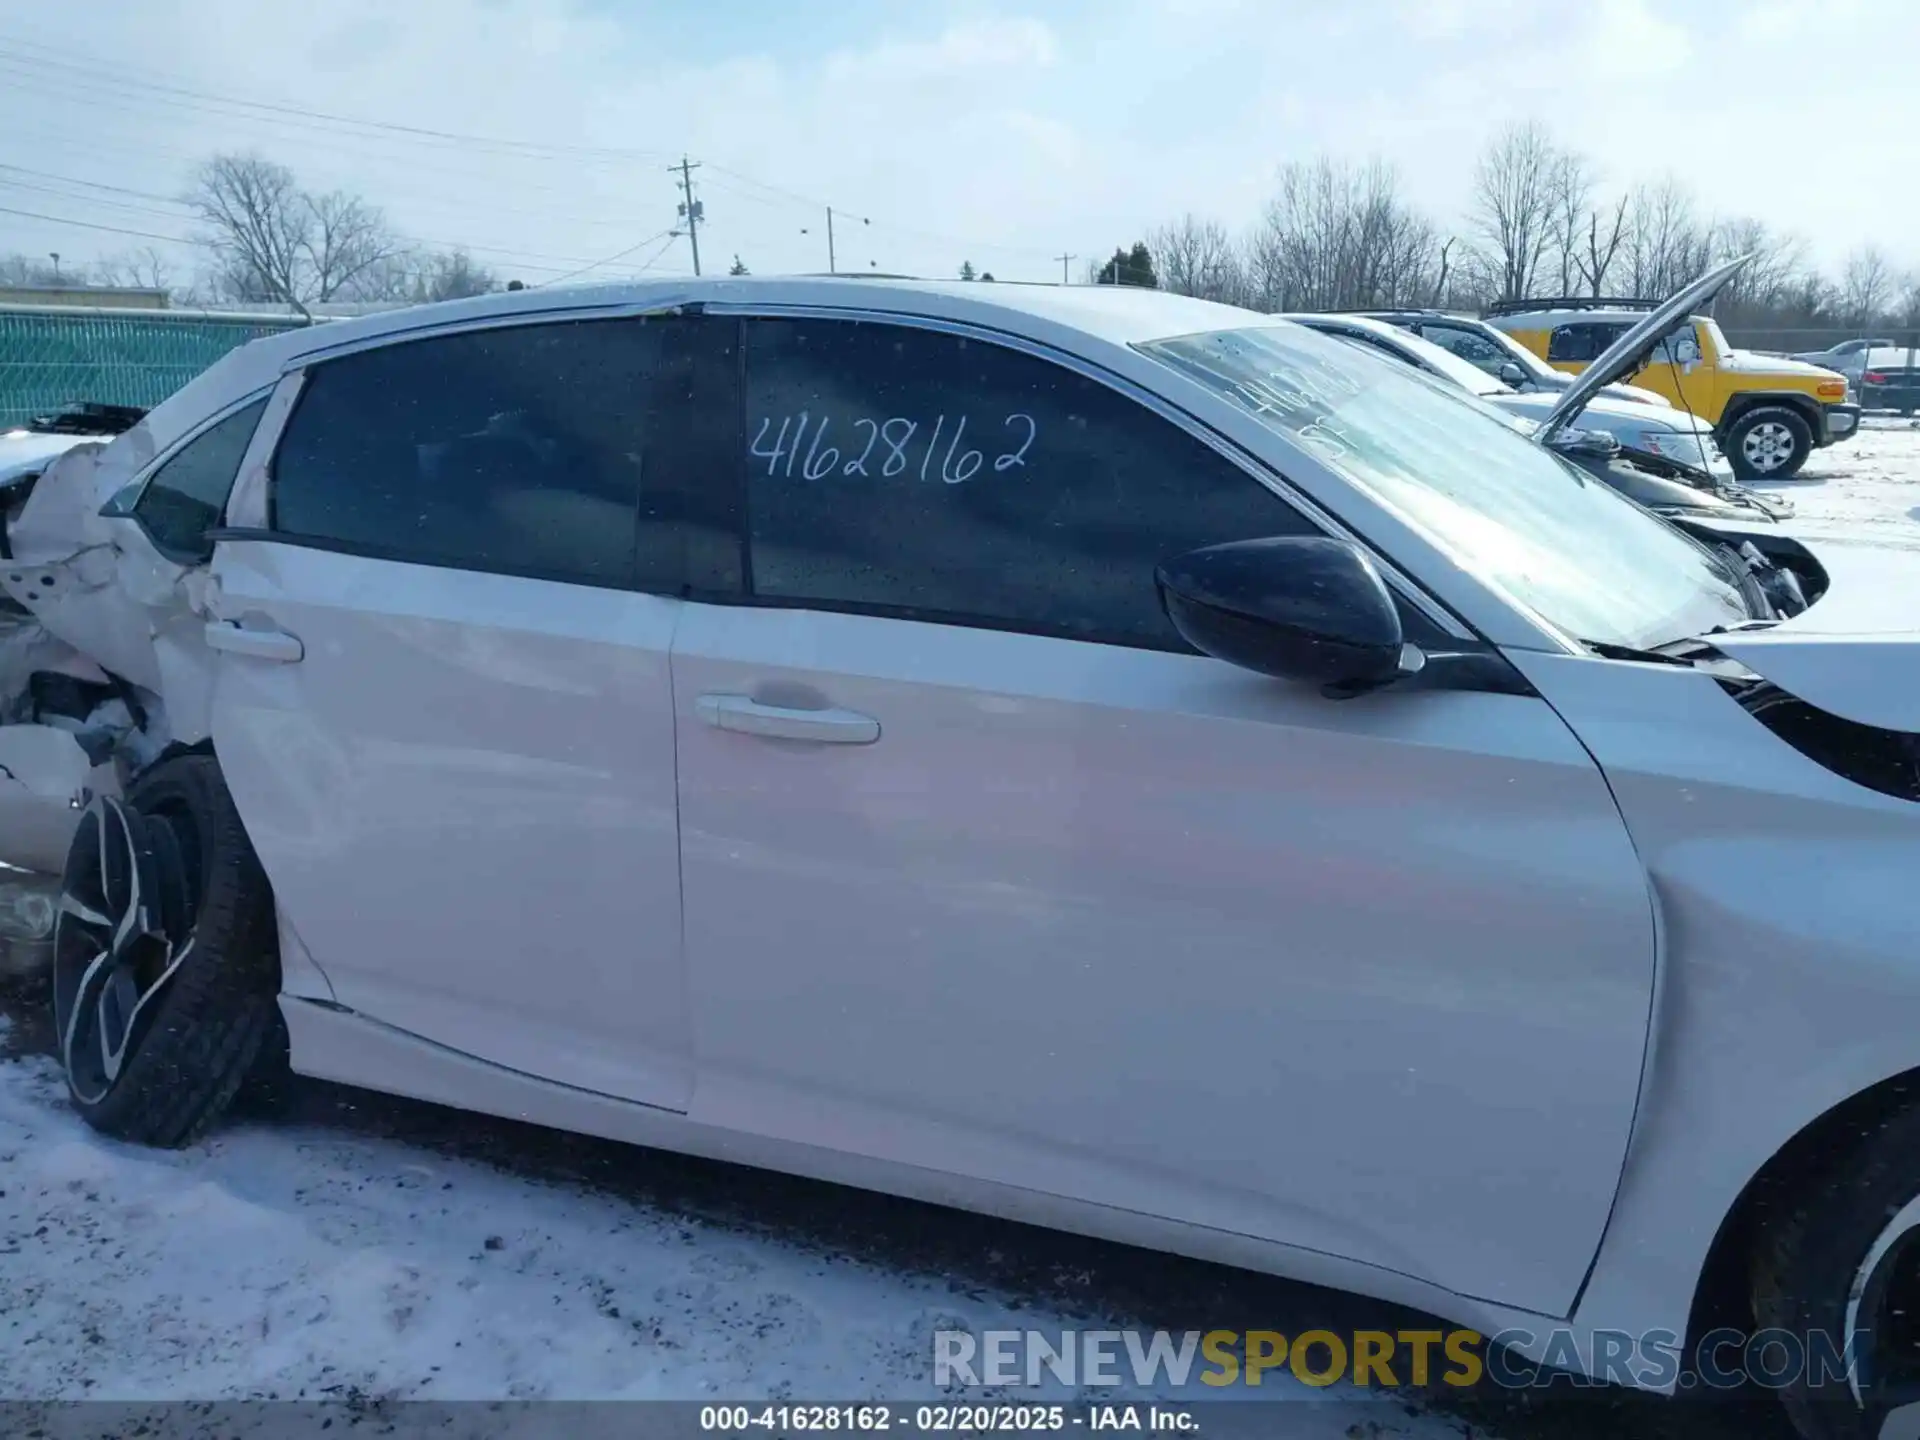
(1768, 413)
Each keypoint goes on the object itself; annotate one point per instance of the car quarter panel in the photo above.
(1789, 975)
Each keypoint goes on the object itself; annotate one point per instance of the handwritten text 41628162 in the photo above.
(889, 448)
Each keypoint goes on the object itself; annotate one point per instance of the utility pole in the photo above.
(1065, 261)
(830, 265)
(690, 207)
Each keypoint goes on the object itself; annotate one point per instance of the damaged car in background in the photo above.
(1663, 457)
(686, 711)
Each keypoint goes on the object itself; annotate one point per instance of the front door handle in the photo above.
(749, 717)
(274, 645)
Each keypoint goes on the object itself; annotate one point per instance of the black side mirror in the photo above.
(1512, 373)
(1304, 608)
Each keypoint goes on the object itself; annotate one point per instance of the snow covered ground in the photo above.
(1864, 490)
(317, 1260)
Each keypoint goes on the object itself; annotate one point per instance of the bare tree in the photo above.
(1775, 265)
(1667, 243)
(1339, 236)
(26, 270)
(259, 223)
(1514, 204)
(1198, 257)
(148, 268)
(1605, 235)
(345, 239)
(1570, 188)
(455, 275)
(1867, 285)
(274, 241)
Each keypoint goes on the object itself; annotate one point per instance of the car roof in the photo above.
(1070, 315)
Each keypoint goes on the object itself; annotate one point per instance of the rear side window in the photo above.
(512, 450)
(1583, 342)
(187, 496)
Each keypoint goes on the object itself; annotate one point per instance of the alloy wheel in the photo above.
(1768, 446)
(123, 928)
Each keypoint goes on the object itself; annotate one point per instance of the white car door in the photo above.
(985, 872)
(443, 703)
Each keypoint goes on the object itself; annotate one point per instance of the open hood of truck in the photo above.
(1623, 357)
(1855, 652)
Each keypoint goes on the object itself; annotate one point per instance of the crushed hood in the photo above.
(1855, 652)
(23, 452)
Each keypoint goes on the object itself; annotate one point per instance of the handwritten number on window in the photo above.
(1018, 457)
(793, 452)
(859, 467)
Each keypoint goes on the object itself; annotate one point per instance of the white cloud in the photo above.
(1629, 42)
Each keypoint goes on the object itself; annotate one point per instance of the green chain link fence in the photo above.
(51, 357)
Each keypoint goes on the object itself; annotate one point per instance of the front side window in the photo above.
(940, 477)
(187, 495)
(516, 450)
(1548, 534)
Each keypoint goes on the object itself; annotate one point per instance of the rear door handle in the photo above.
(750, 717)
(274, 645)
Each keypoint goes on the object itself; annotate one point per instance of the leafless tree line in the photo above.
(1538, 222)
(271, 241)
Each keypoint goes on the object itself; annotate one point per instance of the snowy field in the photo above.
(1865, 490)
(365, 1248)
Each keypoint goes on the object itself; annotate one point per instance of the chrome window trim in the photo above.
(1402, 584)
(247, 501)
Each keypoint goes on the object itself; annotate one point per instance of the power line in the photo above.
(667, 235)
(90, 225)
(528, 259)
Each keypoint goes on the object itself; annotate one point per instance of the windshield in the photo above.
(1551, 536)
(1715, 337)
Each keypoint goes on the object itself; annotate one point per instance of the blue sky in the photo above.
(1005, 134)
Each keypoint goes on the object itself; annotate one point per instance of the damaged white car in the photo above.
(1096, 756)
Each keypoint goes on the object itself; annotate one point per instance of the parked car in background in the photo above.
(1848, 357)
(1498, 353)
(1769, 413)
(1659, 455)
(1890, 379)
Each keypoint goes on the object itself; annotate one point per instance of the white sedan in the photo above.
(1100, 757)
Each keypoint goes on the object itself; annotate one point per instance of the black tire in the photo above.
(1810, 1247)
(207, 924)
(1768, 442)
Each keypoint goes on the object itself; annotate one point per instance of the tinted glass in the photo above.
(1468, 346)
(1583, 342)
(188, 495)
(517, 450)
(930, 475)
